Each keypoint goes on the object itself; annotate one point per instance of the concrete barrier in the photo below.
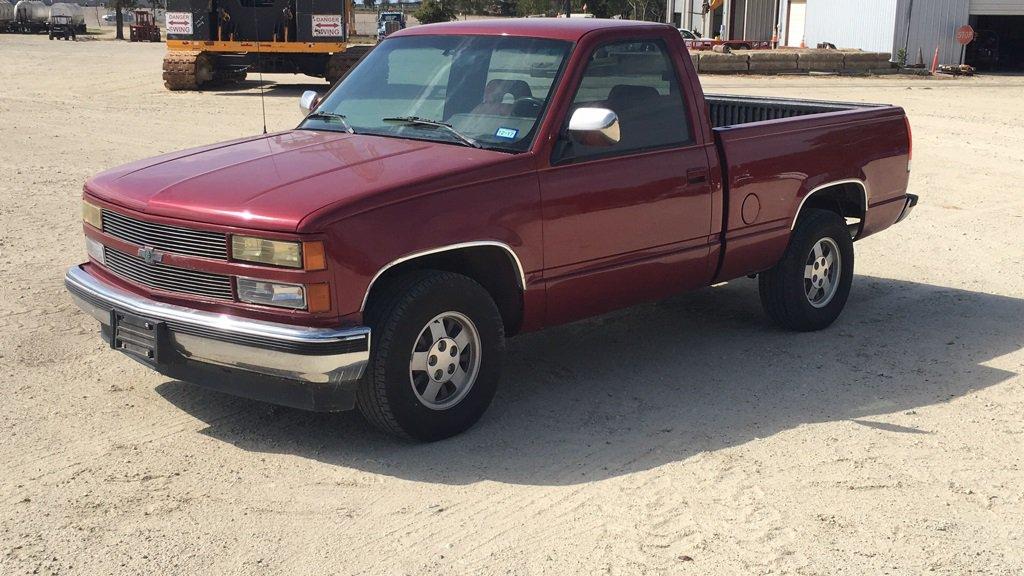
(823, 61)
(865, 60)
(772, 61)
(783, 61)
(714, 62)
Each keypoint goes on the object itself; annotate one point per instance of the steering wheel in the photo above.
(528, 107)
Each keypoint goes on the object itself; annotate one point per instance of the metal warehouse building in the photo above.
(876, 25)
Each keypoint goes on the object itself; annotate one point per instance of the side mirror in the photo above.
(594, 126)
(308, 102)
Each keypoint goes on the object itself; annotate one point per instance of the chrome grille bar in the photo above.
(168, 277)
(167, 238)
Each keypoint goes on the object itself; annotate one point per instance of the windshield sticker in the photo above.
(509, 133)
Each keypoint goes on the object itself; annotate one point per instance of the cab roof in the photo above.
(571, 29)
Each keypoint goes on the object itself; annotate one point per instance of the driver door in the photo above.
(631, 221)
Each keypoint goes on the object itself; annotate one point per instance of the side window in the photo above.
(636, 80)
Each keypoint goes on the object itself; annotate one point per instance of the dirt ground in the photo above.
(686, 437)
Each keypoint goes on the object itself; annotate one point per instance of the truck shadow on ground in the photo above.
(659, 383)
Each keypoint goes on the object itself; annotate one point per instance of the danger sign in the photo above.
(179, 23)
(326, 25)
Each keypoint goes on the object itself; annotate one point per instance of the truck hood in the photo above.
(273, 182)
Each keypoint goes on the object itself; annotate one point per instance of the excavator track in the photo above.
(187, 70)
(341, 62)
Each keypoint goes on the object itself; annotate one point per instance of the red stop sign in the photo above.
(965, 34)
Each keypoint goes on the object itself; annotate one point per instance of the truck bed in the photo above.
(775, 152)
(726, 110)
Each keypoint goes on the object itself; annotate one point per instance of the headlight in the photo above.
(313, 297)
(272, 293)
(263, 251)
(307, 255)
(92, 215)
(95, 250)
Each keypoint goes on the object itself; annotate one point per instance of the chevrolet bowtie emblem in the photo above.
(150, 255)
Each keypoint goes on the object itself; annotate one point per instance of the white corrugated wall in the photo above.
(932, 23)
(888, 25)
(864, 24)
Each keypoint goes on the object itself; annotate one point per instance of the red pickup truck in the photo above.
(470, 181)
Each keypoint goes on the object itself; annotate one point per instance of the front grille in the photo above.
(167, 238)
(168, 277)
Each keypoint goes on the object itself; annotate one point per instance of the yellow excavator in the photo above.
(212, 41)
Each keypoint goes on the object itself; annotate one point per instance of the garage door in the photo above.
(999, 41)
(997, 7)
(795, 26)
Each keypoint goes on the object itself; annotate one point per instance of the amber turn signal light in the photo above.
(318, 297)
(313, 256)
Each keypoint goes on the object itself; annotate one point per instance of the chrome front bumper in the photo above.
(311, 368)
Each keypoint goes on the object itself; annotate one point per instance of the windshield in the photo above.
(491, 91)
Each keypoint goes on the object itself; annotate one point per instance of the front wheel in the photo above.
(438, 345)
(808, 288)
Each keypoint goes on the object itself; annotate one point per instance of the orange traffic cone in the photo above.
(935, 60)
(803, 43)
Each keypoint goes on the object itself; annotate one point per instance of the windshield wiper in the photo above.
(332, 116)
(435, 123)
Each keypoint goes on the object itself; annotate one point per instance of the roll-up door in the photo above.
(997, 7)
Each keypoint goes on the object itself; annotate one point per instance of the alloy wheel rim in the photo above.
(445, 360)
(822, 270)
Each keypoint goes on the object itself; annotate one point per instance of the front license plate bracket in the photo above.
(138, 336)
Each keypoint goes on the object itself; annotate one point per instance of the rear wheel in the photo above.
(808, 288)
(436, 358)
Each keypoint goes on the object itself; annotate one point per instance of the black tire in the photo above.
(784, 290)
(386, 396)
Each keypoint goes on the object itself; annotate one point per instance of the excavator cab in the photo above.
(216, 41)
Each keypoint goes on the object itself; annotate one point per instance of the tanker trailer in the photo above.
(74, 11)
(6, 16)
(31, 16)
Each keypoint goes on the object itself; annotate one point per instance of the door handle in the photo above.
(696, 175)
